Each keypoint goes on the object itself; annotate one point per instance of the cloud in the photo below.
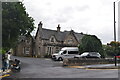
(82, 8)
(88, 16)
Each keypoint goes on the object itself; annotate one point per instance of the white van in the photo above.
(66, 52)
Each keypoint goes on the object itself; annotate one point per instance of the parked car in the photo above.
(88, 55)
(66, 52)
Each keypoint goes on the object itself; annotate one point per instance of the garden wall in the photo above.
(80, 62)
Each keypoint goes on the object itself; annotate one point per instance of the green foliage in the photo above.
(108, 50)
(114, 44)
(90, 43)
(15, 22)
(2, 51)
(112, 49)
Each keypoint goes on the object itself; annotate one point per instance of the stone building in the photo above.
(25, 46)
(49, 41)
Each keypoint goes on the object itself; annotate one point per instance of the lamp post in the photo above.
(115, 34)
(114, 24)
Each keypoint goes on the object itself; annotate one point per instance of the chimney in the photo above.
(58, 28)
(40, 25)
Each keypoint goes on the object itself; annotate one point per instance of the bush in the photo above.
(2, 51)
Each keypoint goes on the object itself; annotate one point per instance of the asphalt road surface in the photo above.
(46, 68)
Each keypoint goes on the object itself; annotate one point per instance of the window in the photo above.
(24, 50)
(72, 52)
(52, 39)
(39, 49)
(65, 52)
(70, 41)
(27, 50)
(49, 50)
(57, 50)
(27, 41)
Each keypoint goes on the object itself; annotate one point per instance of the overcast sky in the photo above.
(93, 17)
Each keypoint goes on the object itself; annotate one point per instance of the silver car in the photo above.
(88, 55)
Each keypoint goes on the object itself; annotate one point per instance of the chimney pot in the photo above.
(58, 28)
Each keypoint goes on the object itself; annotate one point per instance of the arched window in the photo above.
(52, 39)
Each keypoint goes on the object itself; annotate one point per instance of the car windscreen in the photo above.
(60, 52)
(94, 54)
(84, 54)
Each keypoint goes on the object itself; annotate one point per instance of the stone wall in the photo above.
(80, 62)
(24, 47)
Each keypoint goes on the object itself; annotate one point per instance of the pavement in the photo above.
(103, 66)
(99, 66)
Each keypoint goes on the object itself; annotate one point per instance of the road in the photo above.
(46, 68)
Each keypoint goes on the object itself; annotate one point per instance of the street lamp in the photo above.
(114, 24)
(115, 32)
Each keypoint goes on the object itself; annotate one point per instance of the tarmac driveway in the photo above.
(47, 68)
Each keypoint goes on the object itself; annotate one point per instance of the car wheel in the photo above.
(60, 59)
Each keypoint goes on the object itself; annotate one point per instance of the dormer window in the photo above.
(28, 41)
(52, 39)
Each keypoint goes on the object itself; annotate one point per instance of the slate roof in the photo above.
(79, 36)
(60, 36)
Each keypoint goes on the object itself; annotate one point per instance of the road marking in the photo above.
(83, 67)
(6, 75)
(76, 67)
(100, 69)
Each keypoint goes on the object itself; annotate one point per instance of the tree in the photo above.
(112, 49)
(15, 22)
(116, 46)
(108, 50)
(90, 43)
